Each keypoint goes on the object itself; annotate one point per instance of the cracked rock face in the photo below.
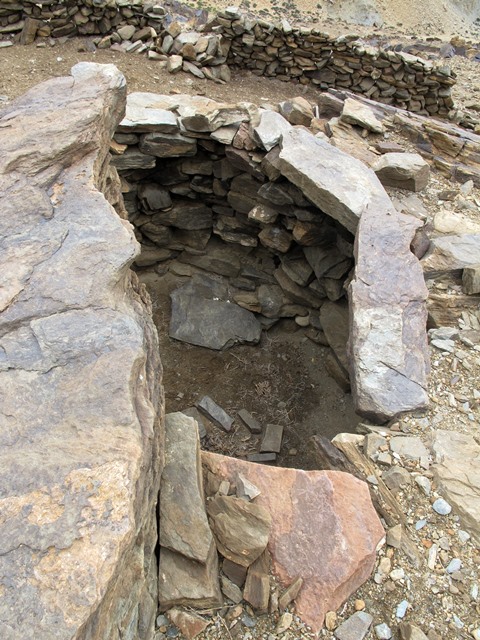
(79, 372)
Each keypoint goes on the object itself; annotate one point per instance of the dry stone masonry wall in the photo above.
(208, 46)
(271, 210)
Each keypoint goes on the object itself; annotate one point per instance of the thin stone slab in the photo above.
(451, 253)
(167, 145)
(272, 440)
(249, 421)
(201, 315)
(215, 413)
(183, 523)
(326, 514)
(146, 112)
(354, 112)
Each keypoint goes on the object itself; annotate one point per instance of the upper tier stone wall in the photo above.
(304, 55)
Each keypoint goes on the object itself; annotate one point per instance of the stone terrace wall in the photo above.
(303, 55)
(80, 377)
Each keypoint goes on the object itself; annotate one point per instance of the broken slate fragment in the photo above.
(194, 413)
(290, 594)
(215, 413)
(241, 529)
(246, 489)
(262, 458)
(249, 421)
(354, 628)
(272, 440)
(190, 624)
(257, 585)
(235, 572)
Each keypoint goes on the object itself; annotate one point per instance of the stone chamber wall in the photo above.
(303, 55)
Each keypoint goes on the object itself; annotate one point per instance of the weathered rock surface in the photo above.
(387, 315)
(403, 171)
(80, 442)
(457, 473)
(452, 253)
(241, 528)
(325, 514)
(184, 582)
(182, 517)
(355, 112)
(202, 315)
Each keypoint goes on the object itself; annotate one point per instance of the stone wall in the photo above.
(304, 55)
(81, 402)
(253, 196)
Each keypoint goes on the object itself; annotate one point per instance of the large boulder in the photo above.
(80, 395)
(324, 529)
(388, 356)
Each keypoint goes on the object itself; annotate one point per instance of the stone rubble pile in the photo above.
(207, 46)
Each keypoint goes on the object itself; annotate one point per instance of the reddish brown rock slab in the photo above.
(324, 530)
(190, 624)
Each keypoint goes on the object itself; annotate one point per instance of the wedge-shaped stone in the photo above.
(241, 529)
(184, 582)
(257, 584)
(335, 323)
(300, 295)
(183, 520)
(326, 514)
(271, 128)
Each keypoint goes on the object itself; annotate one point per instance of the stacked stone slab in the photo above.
(304, 55)
(285, 206)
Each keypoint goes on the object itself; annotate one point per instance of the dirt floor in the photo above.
(281, 381)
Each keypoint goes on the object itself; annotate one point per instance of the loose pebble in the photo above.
(402, 609)
(441, 507)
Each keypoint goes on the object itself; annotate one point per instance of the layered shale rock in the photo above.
(80, 396)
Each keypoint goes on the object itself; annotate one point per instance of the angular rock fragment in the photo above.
(354, 112)
(271, 128)
(190, 624)
(290, 593)
(249, 421)
(471, 280)
(328, 515)
(184, 582)
(257, 584)
(215, 413)
(183, 524)
(403, 171)
(235, 572)
(448, 254)
(457, 474)
(167, 145)
(240, 528)
(354, 628)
